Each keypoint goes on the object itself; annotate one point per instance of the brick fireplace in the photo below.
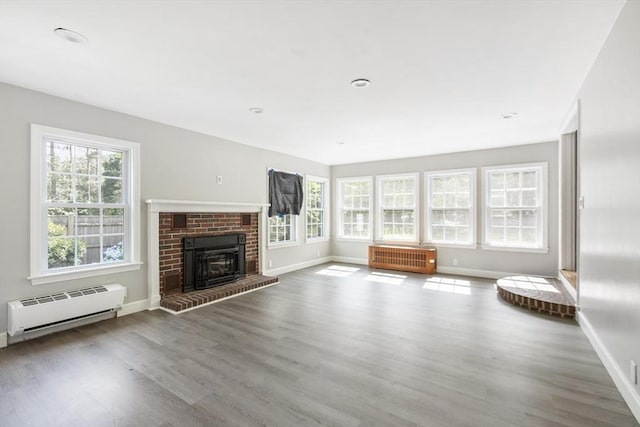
(172, 224)
(171, 241)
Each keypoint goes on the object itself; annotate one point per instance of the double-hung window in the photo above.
(450, 197)
(316, 206)
(397, 207)
(516, 208)
(84, 213)
(354, 200)
(282, 229)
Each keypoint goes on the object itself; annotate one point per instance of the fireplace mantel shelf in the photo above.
(163, 205)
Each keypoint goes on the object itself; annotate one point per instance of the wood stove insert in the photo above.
(213, 260)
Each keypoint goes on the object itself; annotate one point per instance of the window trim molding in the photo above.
(473, 246)
(514, 249)
(37, 248)
(379, 238)
(485, 206)
(338, 204)
(285, 244)
(474, 208)
(326, 222)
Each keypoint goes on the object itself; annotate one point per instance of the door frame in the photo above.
(570, 125)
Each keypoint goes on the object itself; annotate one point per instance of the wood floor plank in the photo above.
(326, 347)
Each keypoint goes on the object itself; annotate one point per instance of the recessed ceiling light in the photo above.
(339, 142)
(360, 83)
(70, 35)
(256, 110)
(509, 115)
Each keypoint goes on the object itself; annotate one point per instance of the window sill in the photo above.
(451, 245)
(397, 242)
(84, 273)
(354, 239)
(515, 249)
(282, 245)
(317, 240)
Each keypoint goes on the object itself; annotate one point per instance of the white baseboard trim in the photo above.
(134, 307)
(570, 289)
(294, 267)
(487, 274)
(620, 379)
(3, 339)
(154, 302)
(168, 310)
(350, 260)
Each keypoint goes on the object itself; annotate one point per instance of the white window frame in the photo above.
(543, 207)
(293, 241)
(341, 209)
(325, 209)
(379, 208)
(472, 172)
(39, 272)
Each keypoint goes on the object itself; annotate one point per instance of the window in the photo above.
(516, 206)
(282, 229)
(450, 204)
(317, 218)
(354, 199)
(83, 190)
(397, 207)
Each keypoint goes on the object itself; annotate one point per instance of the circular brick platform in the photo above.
(543, 295)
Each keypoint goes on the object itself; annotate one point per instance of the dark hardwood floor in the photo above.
(335, 345)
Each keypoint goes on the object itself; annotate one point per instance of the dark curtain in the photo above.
(285, 193)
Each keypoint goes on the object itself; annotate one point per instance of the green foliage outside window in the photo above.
(62, 250)
(315, 209)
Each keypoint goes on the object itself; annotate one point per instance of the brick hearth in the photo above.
(179, 302)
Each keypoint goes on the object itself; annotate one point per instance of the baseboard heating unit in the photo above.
(32, 317)
(403, 258)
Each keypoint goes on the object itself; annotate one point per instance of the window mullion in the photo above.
(101, 231)
(99, 172)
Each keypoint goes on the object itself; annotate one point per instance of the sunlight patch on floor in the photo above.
(338, 271)
(393, 279)
(449, 285)
(529, 283)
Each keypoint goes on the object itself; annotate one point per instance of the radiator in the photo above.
(403, 258)
(48, 311)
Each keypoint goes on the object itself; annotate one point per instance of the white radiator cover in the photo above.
(32, 313)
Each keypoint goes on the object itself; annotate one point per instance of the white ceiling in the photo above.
(442, 72)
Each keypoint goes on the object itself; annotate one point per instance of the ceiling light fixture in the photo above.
(256, 110)
(360, 83)
(70, 35)
(509, 115)
(339, 142)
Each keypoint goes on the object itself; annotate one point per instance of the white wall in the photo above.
(176, 164)
(472, 261)
(609, 155)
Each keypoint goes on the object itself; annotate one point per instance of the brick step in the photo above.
(179, 302)
(540, 294)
